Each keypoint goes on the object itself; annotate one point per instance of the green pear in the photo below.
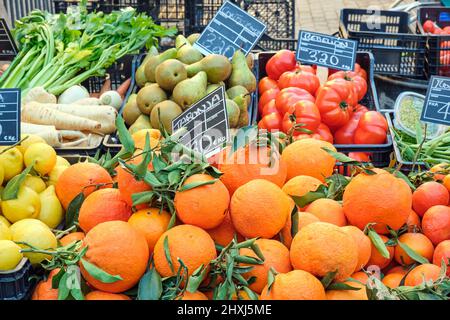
(217, 67)
(140, 72)
(233, 112)
(235, 91)
(180, 41)
(250, 60)
(193, 37)
(131, 111)
(188, 54)
(241, 75)
(154, 61)
(142, 122)
(213, 86)
(164, 113)
(169, 73)
(241, 101)
(190, 90)
(149, 96)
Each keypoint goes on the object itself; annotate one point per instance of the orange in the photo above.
(100, 295)
(322, 247)
(382, 199)
(377, 259)
(294, 285)
(364, 245)
(413, 222)
(446, 182)
(360, 276)
(417, 242)
(81, 177)
(393, 280)
(140, 136)
(428, 195)
(101, 206)
(422, 272)
(224, 232)
(436, 224)
(152, 222)
(442, 253)
(197, 295)
(303, 219)
(276, 256)
(204, 206)
(328, 210)
(259, 208)
(398, 269)
(71, 237)
(118, 249)
(191, 244)
(301, 185)
(250, 163)
(441, 167)
(306, 157)
(360, 294)
(44, 290)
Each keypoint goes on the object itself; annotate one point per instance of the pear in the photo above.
(217, 67)
(190, 90)
(169, 73)
(233, 112)
(142, 122)
(235, 91)
(241, 75)
(180, 41)
(149, 96)
(164, 113)
(52, 212)
(188, 54)
(250, 60)
(140, 72)
(131, 110)
(154, 61)
(241, 101)
(213, 86)
(193, 37)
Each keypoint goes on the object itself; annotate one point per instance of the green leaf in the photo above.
(378, 243)
(342, 286)
(328, 278)
(167, 253)
(63, 290)
(124, 135)
(248, 260)
(77, 294)
(142, 167)
(57, 278)
(341, 157)
(152, 180)
(413, 254)
(158, 164)
(321, 192)
(402, 176)
(12, 187)
(258, 251)
(173, 220)
(294, 222)
(196, 279)
(174, 177)
(142, 197)
(74, 209)
(270, 279)
(150, 286)
(98, 273)
(196, 184)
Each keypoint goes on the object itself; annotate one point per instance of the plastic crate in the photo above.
(171, 13)
(386, 35)
(15, 284)
(267, 43)
(107, 5)
(438, 47)
(19, 8)
(380, 153)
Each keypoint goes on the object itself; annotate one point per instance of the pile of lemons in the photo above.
(29, 218)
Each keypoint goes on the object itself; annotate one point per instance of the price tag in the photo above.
(8, 48)
(9, 116)
(207, 124)
(436, 108)
(231, 29)
(326, 51)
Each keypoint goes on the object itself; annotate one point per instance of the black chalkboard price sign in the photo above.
(9, 116)
(207, 124)
(8, 48)
(327, 51)
(436, 108)
(231, 29)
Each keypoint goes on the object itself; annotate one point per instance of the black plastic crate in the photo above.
(16, 284)
(267, 43)
(19, 8)
(107, 6)
(380, 153)
(171, 13)
(438, 47)
(386, 34)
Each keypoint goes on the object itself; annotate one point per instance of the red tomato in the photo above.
(345, 134)
(282, 61)
(265, 84)
(270, 107)
(304, 112)
(322, 133)
(372, 129)
(358, 69)
(334, 100)
(266, 97)
(310, 69)
(270, 122)
(299, 79)
(359, 82)
(428, 26)
(360, 156)
(289, 96)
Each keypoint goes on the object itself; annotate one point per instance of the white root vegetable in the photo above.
(48, 133)
(37, 113)
(88, 102)
(73, 94)
(111, 98)
(38, 94)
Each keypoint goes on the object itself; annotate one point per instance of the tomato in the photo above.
(358, 156)
(270, 122)
(265, 84)
(345, 134)
(299, 79)
(280, 62)
(266, 97)
(289, 96)
(372, 129)
(359, 82)
(304, 112)
(334, 100)
(310, 69)
(322, 133)
(358, 69)
(270, 107)
(428, 26)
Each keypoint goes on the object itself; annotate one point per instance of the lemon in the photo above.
(53, 176)
(51, 212)
(25, 223)
(27, 205)
(30, 139)
(2, 174)
(5, 221)
(10, 255)
(5, 233)
(43, 156)
(35, 183)
(12, 162)
(38, 236)
(61, 162)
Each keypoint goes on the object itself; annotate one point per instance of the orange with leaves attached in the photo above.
(442, 255)
(328, 210)
(71, 237)
(418, 243)
(377, 259)
(423, 272)
(364, 245)
(302, 219)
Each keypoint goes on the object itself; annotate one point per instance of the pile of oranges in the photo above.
(302, 246)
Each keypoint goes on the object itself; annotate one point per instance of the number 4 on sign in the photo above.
(445, 110)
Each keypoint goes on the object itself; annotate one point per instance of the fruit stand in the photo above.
(146, 156)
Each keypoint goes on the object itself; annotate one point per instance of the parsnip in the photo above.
(48, 133)
(88, 102)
